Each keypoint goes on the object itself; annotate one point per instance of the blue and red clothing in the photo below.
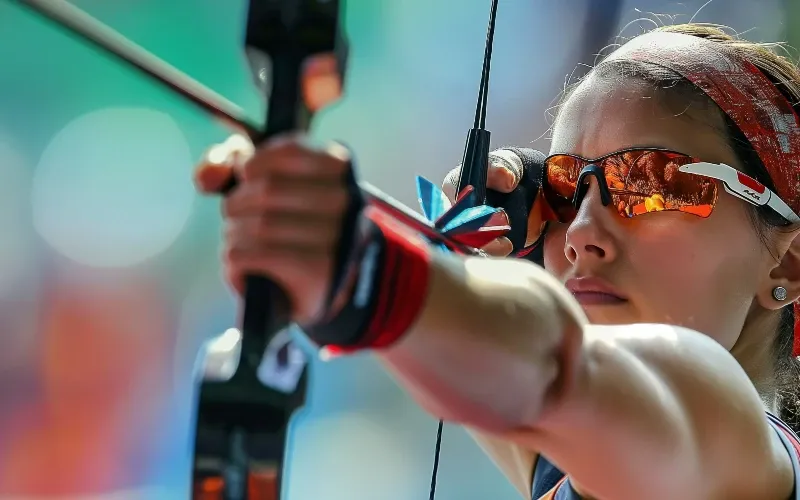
(550, 483)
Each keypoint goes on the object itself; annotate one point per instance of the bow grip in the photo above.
(281, 36)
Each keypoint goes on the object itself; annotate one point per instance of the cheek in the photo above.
(701, 274)
(555, 261)
(702, 277)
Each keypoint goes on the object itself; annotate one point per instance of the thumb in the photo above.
(217, 166)
(211, 178)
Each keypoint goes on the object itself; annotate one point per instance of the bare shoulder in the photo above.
(710, 395)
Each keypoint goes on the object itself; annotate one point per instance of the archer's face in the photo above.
(669, 267)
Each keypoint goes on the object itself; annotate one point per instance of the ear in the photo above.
(786, 273)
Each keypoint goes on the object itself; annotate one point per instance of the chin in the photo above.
(614, 315)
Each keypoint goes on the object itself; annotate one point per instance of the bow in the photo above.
(241, 422)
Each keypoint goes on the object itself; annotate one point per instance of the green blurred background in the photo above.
(109, 272)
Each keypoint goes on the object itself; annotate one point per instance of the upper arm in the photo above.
(662, 409)
(515, 461)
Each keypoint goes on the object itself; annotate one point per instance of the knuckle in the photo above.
(228, 232)
(225, 208)
(230, 256)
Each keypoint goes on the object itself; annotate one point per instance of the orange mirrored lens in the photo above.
(640, 181)
(562, 173)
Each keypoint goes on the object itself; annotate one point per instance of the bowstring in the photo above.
(480, 123)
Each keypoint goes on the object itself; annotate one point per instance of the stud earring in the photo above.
(779, 293)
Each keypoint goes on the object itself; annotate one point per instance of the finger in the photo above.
(217, 165)
(505, 171)
(234, 278)
(283, 230)
(286, 195)
(274, 261)
(290, 267)
(236, 149)
(501, 247)
(292, 157)
(242, 262)
(503, 175)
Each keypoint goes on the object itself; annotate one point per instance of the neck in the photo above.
(756, 356)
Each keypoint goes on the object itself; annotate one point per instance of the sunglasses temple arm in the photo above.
(781, 208)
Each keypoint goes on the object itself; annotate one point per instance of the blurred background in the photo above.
(109, 273)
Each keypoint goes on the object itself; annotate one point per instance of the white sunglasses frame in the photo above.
(742, 186)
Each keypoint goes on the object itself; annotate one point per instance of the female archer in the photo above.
(653, 356)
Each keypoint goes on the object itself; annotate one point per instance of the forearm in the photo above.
(489, 344)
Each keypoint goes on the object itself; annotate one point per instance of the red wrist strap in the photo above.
(403, 287)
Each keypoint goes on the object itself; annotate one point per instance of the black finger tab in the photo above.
(519, 202)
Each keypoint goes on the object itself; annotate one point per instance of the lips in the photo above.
(594, 291)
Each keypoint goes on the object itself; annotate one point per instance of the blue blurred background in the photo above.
(109, 272)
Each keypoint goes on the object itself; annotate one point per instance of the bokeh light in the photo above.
(111, 188)
(105, 351)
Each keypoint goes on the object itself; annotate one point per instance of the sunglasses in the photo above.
(637, 181)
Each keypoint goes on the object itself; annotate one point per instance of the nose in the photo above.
(589, 240)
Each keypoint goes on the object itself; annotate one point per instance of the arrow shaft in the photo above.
(101, 36)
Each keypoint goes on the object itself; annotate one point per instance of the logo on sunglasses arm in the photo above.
(752, 194)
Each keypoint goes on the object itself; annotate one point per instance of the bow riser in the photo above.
(281, 39)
